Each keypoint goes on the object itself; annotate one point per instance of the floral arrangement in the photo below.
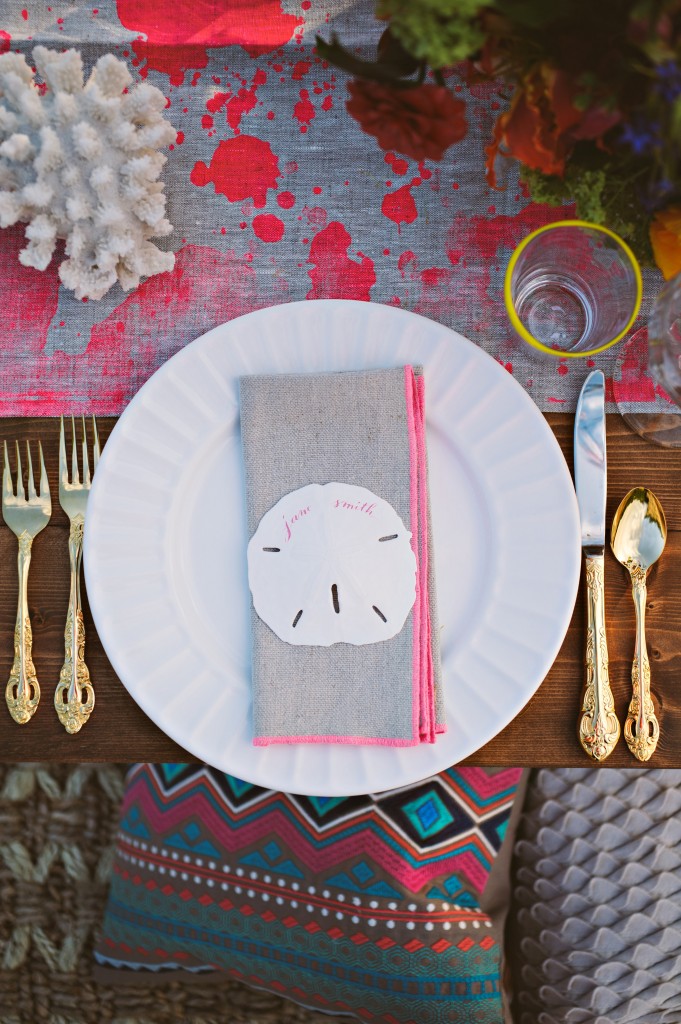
(80, 161)
(594, 101)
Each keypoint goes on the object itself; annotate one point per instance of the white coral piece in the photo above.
(80, 161)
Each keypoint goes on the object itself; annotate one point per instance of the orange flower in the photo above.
(543, 123)
(665, 237)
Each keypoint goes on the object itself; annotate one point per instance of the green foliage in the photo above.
(440, 32)
(386, 70)
(606, 195)
(601, 80)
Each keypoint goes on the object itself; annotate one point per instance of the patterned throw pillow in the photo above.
(367, 905)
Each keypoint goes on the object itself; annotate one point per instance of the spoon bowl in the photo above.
(639, 530)
(638, 538)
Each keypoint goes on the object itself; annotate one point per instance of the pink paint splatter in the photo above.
(268, 227)
(244, 101)
(327, 103)
(286, 200)
(315, 215)
(437, 286)
(241, 168)
(635, 385)
(407, 257)
(482, 245)
(205, 288)
(304, 111)
(334, 275)
(5, 41)
(302, 67)
(398, 165)
(399, 206)
(217, 101)
(179, 34)
(29, 301)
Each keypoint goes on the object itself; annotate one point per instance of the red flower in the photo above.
(421, 122)
(543, 123)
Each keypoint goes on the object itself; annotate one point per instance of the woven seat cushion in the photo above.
(596, 914)
(370, 905)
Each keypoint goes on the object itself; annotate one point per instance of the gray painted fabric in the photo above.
(350, 427)
(596, 913)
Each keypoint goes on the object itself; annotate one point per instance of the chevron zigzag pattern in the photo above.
(366, 905)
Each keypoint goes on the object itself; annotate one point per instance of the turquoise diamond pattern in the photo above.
(324, 804)
(172, 771)
(428, 814)
(133, 824)
(191, 838)
(362, 872)
(238, 786)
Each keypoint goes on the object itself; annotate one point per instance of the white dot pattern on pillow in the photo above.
(596, 915)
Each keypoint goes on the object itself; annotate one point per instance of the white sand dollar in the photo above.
(332, 563)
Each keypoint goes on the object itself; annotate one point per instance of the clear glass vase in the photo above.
(647, 379)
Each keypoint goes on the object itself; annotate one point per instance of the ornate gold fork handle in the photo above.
(641, 729)
(74, 697)
(22, 692)
(599, 729)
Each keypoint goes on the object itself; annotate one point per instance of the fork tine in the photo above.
(31, 482)
(63, 465)
(96, 444)
(7, 486)
(21, 493)
(86, 464)
(75, 478)
(44, 482)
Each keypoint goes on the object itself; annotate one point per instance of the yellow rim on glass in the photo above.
(515, 319)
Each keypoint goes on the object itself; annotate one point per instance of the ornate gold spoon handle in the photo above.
(641, 729)
(74, 697)
(22, 692)
(599, 729)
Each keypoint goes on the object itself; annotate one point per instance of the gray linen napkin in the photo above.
(351, 427)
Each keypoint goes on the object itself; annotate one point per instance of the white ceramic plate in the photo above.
(165, 541)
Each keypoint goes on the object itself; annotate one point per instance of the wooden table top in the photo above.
(544, 733)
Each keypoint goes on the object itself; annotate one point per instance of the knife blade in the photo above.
(599, 728)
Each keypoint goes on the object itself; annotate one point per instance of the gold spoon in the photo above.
(638, 536)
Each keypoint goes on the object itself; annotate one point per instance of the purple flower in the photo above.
(640, 137)
(668, 80)
(656, 194)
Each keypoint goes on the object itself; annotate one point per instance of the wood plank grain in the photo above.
(544, 733)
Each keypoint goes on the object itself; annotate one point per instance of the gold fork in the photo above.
(74, 697)
(25, 518)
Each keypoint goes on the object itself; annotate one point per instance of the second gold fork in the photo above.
(74, 697)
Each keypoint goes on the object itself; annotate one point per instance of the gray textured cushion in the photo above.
(596, 916)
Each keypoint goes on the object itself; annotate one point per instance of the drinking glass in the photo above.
(647, 378)
(572, 288)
